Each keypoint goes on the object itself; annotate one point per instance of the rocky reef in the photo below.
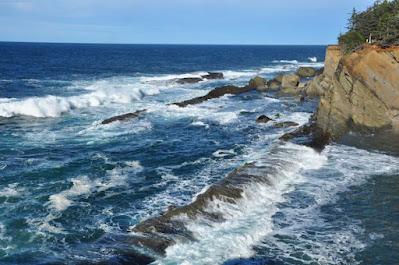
(357, 91)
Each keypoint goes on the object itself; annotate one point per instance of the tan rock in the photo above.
(333, 56)
(364, 92)
(274, 84)
(323, 82)
(258, 83)
(290, 81)
(305, 72)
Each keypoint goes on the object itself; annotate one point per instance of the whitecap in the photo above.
(134, 165)
(249, 219)
(11, 191)
(200, 124)
(2, 165)
(224, 153)
(286, 61)
(83, 186)
(103, 92)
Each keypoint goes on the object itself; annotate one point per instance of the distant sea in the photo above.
(71, 188)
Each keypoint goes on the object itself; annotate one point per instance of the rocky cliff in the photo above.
(323, 82)
(359, 91)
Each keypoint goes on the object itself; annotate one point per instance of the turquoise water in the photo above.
(71, 188)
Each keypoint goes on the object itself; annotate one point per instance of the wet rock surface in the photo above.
(216, 93)
(189, 80)
(263, 119)
(286, 124)
(258, 83)
(213, 76)
(123, 117)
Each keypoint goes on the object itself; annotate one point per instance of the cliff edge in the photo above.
(358, 91)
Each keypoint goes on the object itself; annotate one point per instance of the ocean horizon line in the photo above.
(160, 44)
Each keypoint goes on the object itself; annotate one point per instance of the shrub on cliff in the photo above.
(351, 40)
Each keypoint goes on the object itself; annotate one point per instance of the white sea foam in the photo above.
(171, 77)
(135, 165)
(200, 124)
(223, 153)
(11, 190)
(62, 201)
(313, 59)
(247, 221)
(251, 221)
(103, 92)
(84, 186)
(2, 165)
(301, 241)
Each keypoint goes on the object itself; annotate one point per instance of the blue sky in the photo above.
(176, 21)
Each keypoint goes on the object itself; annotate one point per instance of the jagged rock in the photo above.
(189, 80)
(279, 78)
(286, 124)
(263, 119)
(273, 84)
(310, 135)
(302, 86)
(160, 232)
(124, 117)
(364, 94)
(216, 93)
(323, 82)
(213, 75)
(333, 56)
(306, 72)
(258, 83)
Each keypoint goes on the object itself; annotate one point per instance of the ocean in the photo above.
(71, 188)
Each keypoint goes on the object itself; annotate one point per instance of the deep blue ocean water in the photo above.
(71, 188)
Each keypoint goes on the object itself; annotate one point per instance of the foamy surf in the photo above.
(269, 216)
(55, 106)
(249, 219)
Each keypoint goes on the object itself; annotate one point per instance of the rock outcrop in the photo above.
(189, 80)
(273, 84)
(193, 80)
(213, 75)
(258, 83)
(216, 93)
(306, 72)
(323, 82)
(263, 119)
(124, 117)
(290, 84)
(364, 92)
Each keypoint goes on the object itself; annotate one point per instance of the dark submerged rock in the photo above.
(189, 80)
(124, 117)
(309, 135)
(160, 232)
(263, 119)
(286, 124)
(216, 93)
(213, 75)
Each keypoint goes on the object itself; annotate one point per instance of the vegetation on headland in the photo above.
(379, 24)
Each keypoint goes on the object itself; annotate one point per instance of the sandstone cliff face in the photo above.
(323, 82)
(361, 93)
